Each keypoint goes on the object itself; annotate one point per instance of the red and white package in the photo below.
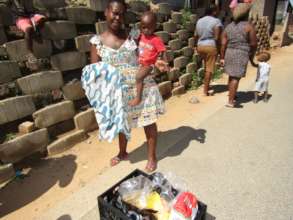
(185, 207)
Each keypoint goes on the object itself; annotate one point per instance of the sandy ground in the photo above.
(52, 180)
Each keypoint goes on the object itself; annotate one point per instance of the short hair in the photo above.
(151, 14)
(264, 57)
(211, 9)
(117, 1)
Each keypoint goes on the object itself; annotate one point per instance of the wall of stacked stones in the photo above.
(42, 99)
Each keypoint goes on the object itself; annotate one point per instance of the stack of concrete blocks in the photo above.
(262, 28)
(36, 126)
(178, 36)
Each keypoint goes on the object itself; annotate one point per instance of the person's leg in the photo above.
(233, 86)
(266, 96)
(151, 133)
(141, 74)
(211, 55)
(122, 155)
(207, 80)
(255, 97)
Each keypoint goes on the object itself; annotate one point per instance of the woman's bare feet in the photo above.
(116, 160)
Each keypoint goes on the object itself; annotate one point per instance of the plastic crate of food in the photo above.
(110, 212)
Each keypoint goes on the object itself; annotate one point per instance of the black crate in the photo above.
(109, 212)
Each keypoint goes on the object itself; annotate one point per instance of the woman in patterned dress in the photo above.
(238, 47)
(117, 47)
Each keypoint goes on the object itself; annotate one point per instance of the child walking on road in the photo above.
(262, 78)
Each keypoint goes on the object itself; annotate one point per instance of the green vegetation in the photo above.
(9, 137)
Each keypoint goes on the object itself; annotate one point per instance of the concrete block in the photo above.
(130, 17)
(59, 30)
(178, 53)
(68, 61)
(23, 146)
(174, 74)
(80, 15)
(54, 114)
(177, 17)
(49, 4)
(45, 81)
(180, 62)
(9, 70)
(161, 18)
(15, 108)
(26, 127)
(191, 42)
(97, 5)
(54, 13)
(86, 120)
(138, 6)
(193, 18)
(169, 55)
(164, 35)
(3, 38)
(82, 42)
(101, 26)
(175, 44)
(42, 49)
(17, 50)
(170, 27)
(191, 68)
(164, 8)
(190, 27)
(66, 142)
(6, 16)
(73, 91)
(183, 34)
(6, 172)
(187, 51)
(3, 52)
(185, 79)
(178, 91)
(165, 88)
(174, 36)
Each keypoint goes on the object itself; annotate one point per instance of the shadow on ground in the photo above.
(44, 174)
(219, 88)
(178, 138)
(210, 217)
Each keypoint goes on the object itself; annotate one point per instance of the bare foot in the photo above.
(134, 101)
(151, 166)
(116, 160)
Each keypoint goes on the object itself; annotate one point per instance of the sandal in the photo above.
(116, 160)
(151, 167)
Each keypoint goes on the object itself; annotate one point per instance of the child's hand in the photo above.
(162, 66)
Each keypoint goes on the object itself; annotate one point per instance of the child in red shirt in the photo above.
(151, 48)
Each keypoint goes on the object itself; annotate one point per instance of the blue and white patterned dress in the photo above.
(126, 62)
(103, 87)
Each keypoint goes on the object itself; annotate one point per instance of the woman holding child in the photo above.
(118, 47)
